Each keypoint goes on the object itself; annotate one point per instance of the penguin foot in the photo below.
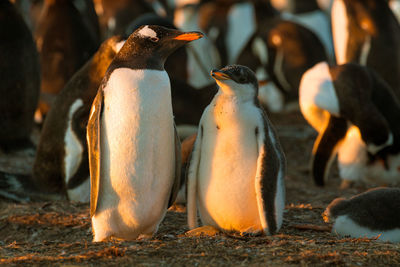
(346, 184)
(251, 233)
(206, 230)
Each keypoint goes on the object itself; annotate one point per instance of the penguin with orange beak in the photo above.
(134, 151)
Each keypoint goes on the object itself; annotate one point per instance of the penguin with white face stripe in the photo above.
(236, 174)
(61, 164)
(356, 115)
(372, 214)
(134, 153)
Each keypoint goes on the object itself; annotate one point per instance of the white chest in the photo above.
(317, 96)
(137, 137)
(353, 162)
(228, 163)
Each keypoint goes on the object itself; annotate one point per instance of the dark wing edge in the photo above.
(192, 180)
(271, 169)
(178, 162)
(324, 148)
(93, 140)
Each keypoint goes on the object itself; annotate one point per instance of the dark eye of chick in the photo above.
(242, 79)
(154, 39)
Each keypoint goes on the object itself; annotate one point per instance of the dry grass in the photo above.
(59, 233)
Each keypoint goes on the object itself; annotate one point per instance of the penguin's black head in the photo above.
(150, 45)
(336, 208)
(236, 79)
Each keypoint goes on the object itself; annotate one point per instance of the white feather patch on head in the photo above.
(146, 31)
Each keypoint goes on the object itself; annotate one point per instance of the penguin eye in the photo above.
(154, 39)
(242, 80)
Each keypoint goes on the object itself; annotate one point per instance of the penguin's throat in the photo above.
(235, 94)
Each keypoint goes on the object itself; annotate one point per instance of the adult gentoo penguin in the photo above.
(367, 32)
(20, 79)
(236, 174)
(372, 214)
(134, 156)
(61, 163)
(356, 115)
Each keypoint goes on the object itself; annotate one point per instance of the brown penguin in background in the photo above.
(367, 32)
(280, 52)
(117, 14)
(64, 44)
(61, 163)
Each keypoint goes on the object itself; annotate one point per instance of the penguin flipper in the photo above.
(93, 140)
(325, 146)
(178, 162)
(192, 180)
(270, 169)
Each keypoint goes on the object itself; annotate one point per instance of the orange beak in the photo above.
(219, 75)
(189, 36)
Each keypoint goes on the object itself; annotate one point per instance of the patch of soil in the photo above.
(59, 233)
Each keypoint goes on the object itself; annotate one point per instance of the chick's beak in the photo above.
(218, 75)
(188, 36)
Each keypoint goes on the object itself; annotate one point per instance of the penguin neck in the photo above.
(100, 62)
(226, 93)
(137, 60)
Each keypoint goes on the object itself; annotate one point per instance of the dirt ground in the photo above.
(59, 233)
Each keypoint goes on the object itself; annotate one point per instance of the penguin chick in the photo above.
(134, 151)
(372, 214)
(237, 169)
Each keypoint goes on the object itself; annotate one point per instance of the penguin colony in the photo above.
(107, 110)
